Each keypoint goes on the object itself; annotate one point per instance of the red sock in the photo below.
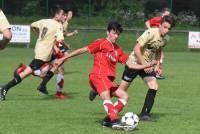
(110, 109)
(21, 68)
(119, 105)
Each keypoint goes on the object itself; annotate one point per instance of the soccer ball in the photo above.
(130, 119)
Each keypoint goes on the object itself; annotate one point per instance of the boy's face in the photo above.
(112, 36)
(69, 15)
(59, 16)
(165, 28)
(64, 17)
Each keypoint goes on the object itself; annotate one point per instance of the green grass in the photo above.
(176, 108)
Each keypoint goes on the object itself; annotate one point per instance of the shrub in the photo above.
(187, 17)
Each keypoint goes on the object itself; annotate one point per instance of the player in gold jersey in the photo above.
(148, 47)
(5, 30)
(60, 74)
(50, 32)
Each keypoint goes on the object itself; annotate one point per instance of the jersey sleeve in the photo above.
(36, 24)
(94, 46)
(145, 38)
(123, 57)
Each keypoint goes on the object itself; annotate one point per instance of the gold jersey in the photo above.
(65, 26)
(49, 31)
(4, 24)
(150, 42)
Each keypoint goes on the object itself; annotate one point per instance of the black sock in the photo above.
(46, 78)
(16, 80)
(149, 101)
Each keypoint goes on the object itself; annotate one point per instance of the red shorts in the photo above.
(102, 83)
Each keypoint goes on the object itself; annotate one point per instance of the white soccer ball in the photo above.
(130, 119)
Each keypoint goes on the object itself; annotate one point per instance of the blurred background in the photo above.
(129, 12)
(93, 15)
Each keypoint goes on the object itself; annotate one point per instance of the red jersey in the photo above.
(106, 56)
(155, 21)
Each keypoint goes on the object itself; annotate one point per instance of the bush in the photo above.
(187, 17)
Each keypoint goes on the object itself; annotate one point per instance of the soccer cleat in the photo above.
(43, 89)
(106, 122)
(160, 77)
(145, 117)
(92, 95)
(116, 124)
(60, 95)
(2, 94)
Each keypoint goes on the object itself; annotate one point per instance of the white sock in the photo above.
(60, 82)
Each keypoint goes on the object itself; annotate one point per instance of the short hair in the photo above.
(55, 10)
(67, 9)
(169, 19)
(114, 25)
(166, 9)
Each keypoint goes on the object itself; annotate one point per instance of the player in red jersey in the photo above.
(155, 23)
(106, 55)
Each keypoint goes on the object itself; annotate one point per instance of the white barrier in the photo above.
(194, 40)
(20, 34)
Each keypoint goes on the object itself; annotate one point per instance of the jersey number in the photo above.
(44, 31)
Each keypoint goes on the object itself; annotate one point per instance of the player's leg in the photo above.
(19, 74)
(92, 94)
(102, 85)
(49, 74)
(150, 96)
(60, 83)
(121, 93)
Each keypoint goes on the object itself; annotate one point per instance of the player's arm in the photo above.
(159, 58)
(138, 53)
(77, 52)
(139, 66)
(71, 33)
(35, 27)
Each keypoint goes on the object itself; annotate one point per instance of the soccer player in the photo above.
(60, 73)
(155, 23)
(50, 31)
(5, 30)
(107, 53)
(148, 47)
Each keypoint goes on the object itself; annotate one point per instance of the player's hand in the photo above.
(158, 68)
(148, 69)
(75, 32)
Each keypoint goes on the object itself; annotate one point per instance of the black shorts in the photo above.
(36, 64)
(130, 74)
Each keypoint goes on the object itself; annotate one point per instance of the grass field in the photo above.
(27, 111)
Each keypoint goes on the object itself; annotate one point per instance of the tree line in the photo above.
(94, 7)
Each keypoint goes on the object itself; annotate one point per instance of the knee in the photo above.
(153, 85)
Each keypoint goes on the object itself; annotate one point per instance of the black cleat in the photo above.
(160, 77)
(106, 122)
(116, 125)
(43, 90)
(145, 117)
(92, 95)
(2, 93)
